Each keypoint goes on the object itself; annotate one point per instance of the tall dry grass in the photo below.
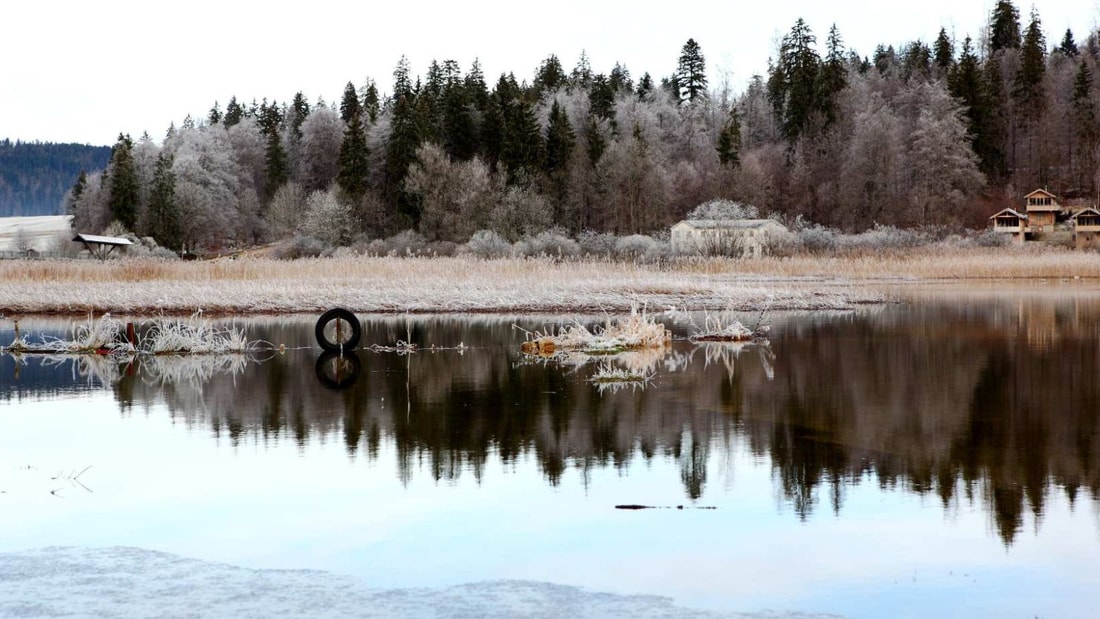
(467, 284)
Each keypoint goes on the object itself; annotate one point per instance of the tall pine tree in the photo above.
(691, 73)
(124, 195)
(353, 161)
(163, 219)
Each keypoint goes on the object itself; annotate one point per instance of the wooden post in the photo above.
(131, 335)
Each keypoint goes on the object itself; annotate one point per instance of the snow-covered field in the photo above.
(40, 232)
(132, 582)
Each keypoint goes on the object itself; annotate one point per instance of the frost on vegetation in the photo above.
(108, 335)
(610, 378)
(723, 326)
(723, 209)
(639, 330)
(488, 244)
(551, 244)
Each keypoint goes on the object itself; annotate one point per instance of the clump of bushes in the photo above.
(551, 244)
(488, 244)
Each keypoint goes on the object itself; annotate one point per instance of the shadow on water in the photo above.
(996, 402)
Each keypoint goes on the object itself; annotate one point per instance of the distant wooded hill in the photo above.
(34, 176)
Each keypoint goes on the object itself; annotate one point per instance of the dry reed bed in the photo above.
(467, 284)
(463, 284)
(925, 263)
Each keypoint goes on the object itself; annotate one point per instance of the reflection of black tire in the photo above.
(336, 370)
(338, 329)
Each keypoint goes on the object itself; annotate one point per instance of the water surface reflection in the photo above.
(996, 402)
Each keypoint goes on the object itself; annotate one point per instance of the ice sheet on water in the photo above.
(133, 582)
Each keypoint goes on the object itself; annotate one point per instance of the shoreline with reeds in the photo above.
(465, 284)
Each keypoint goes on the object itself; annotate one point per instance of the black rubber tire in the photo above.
(338, 314)
(336, 370)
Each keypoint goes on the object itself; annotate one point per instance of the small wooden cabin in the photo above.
(1086, 229)
(743, 238)
(1042, 211)
(1010, 221)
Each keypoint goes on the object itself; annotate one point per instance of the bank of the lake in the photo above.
(466, 284)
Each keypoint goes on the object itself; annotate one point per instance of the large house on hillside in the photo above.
(1042, 213)
(741, 238)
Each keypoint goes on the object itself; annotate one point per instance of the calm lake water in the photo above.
(931, 459)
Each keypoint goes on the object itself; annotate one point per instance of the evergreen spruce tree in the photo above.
(581, 77)
(792, 86)
(943, 53)
(460, 139)
(1004, 27)
(477, 91)
(833, 78)
(560, 140)
(560, 144)
(729, 141)
(349, 103)
(1085, 124)
(124, 194)
(521, 149)
(1028, 86)
(352, 176)
(620, 79)
(403, 142)
(299, 112)
(549, 76)
(601, 99)
(691, 76)
(1069, 47)
(645, 86)
(233, 113)
(372, 102)
(214, 116)
(164, 219)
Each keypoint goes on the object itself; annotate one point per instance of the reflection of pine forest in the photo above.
(936, 131)
(997, 406)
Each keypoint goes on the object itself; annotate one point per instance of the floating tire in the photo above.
(336, 370)
(338, 329)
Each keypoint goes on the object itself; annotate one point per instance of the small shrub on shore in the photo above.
(299, 247)
(488, 244)
(597, 244)
(550, 244)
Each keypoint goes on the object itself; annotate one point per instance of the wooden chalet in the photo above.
(1086, 229)
(1010, 221)
(1042, 211)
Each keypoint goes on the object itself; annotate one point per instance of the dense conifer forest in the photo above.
(937, 132)
(35, 176)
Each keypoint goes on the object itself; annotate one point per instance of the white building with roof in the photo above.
(742, 238)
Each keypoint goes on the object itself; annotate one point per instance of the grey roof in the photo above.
(729, 223)
(102, 240)
(1008, 211)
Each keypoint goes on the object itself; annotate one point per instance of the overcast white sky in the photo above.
(78, 71)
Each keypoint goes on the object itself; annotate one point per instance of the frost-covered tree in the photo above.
(943, 168)
(455, 196)
(519, 212)
(286, 210)
(720, 208)
(327, 219)
(322, 136)
(874, 165)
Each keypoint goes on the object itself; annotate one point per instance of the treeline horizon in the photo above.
(940, 133)
(35, 176)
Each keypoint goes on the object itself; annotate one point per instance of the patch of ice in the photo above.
(133, 582)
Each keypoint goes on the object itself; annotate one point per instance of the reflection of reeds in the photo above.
(193, 369)
(104, 369)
